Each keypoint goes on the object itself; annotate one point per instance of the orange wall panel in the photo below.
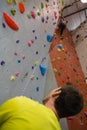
(67, 68)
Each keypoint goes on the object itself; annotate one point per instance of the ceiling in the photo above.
(75, 12)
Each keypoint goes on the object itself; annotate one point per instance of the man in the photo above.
(22, 113)
(61, 24)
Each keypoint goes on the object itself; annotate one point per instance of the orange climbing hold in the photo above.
(21, 7)
(10, 22)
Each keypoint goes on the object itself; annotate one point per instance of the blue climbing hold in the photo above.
(37, 88)
(42, 19)
(43, 69)
(49, 38)
(60, 46)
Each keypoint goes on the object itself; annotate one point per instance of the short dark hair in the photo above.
(70, 101)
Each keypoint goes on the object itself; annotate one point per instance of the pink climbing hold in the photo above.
(17, 74)
(29, 43)
(15, 53)
(33, 14)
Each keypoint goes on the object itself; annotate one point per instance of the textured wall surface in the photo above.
(80, 40)
(24, 50)
(67, 68)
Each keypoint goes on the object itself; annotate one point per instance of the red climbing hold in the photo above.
(21, 7)
(10, 22)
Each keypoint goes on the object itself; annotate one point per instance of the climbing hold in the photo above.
(59, 50)
(64, 58)
(15, 53)
(37, 88)
(32, 40)
(15, 1)
(49, 38)
(33, 31)
(32, 77)
(9, 1)
(37, 78)
(55, 14)
(36, 63)
(47, 17)
(3, 24)
(42, 19)
(76, 80)
(29, 43)
(59, 73)
(17, 74)
(44, 45)
(13, 11)
(19, 61)
(38, 13)
(36, 52)
(53, 60)
(29, 16)
(33, 14)
(35, 37)
(60, 46)
(85, 104)
(10, 22)
(23, 57)
(34, 7)
(42, 5)
(12, 78)
(2, 63)
(21, 7)
(32, 67)
(17, 41)
(43, 69)
(55, 70)
(47, 0)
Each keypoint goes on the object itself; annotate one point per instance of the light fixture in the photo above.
(84, 1)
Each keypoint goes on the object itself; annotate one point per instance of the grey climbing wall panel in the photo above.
(22, 51)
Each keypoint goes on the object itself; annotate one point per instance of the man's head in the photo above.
(69, 102)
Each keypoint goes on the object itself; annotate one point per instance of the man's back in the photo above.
(22, 113)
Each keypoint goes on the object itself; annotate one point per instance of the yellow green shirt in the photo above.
(22, 113)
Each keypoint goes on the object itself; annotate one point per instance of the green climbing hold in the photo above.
(13, 11)
(38, 13)
(78, 65)
(42, 5)
(85, 104)
(59, 73)
(29, 16)
(77, 80)
(64, 58)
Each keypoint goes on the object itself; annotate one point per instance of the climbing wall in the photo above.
(67, 68)
(26, 31)
(80, 40)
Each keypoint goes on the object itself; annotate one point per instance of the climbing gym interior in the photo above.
(35, 58)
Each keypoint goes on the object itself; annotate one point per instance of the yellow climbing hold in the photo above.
(53, 60)
(9, 1)
(15, 1)
(55, 70)
(32, 77)
(12, 78)
(59, 50)
(36, 63)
